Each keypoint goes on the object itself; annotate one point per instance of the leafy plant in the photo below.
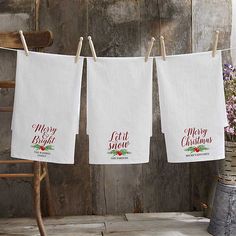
(229, 76)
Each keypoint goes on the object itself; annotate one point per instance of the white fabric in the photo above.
(119, 100)
(131, 148)
(46, 107)
(195, 144)
(191, 95)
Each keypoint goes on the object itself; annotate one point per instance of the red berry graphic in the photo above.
(119, 153)
(196, 149)
(42, 148)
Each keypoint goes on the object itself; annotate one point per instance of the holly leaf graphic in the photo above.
(199, 148)
(202, 148)
(36, 146)
(124, 151)
(113, 152)
(189, 149)
(49, 147)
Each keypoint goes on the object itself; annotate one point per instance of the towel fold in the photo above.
(119, 109)
(46, 107)
(191, 96)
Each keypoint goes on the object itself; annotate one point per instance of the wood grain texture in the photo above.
(7, 84)
(208, 16)
(6, 109)
(172, 19)
(70, 184)
(118, 187)
(14, 15)
(33, 39)
(162, 224)
(118, 28)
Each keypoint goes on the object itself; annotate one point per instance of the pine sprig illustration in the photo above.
(49, 147)
(199, 148)
(42, 148)
(36, 146)
(120, 152)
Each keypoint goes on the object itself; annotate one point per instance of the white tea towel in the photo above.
(194, 144)
(119, 99)
(47, 98)
(191, 91)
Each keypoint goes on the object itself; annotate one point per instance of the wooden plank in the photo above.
(203, 175)
(85, 219)
(6, 109)
(33, 39)
(150, 26)
(95, 228)
(167, 224)
(163, 181)
(7, 84)
(24, 6)
(15, 161)
(116, 188)
(17, 175)
(159, 226)
(15, 191)
(163, 215)
(164, 232)
(70, 184)
(61, 232)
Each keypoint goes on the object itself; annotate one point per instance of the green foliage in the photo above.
(199, 148)
(189, 149)
(120, 152)
(49, 147)
(36, 146)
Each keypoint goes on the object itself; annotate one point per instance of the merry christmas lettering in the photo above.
(195, 136)
(45, 134)
(118, 140)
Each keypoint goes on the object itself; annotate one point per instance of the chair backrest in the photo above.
(34, 39)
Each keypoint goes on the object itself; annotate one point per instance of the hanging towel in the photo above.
(119, 115)
(191, 90)
(46, 107)
(191, 96)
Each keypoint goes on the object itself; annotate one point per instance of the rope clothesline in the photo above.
(222, 50)
(162, 44)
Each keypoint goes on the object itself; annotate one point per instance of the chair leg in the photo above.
(50, 205)
(37, 206)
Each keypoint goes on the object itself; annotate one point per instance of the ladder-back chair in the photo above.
(34, 40)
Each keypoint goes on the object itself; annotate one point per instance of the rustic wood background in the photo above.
(118, 28)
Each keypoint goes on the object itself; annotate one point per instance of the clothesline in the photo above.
(222, 50)
(147, 55)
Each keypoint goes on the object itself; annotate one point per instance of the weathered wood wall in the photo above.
(118, 28)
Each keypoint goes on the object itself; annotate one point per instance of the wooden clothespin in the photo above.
(163, 48)
(92, 48)
(79, 49)
(149, 49)
(215, 43)
(22, 37)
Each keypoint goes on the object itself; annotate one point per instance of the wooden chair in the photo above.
(34, 40)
